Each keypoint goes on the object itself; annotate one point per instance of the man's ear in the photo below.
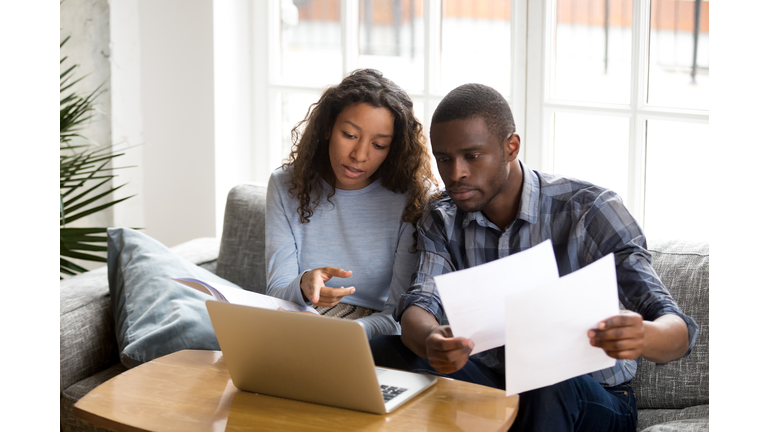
(512, 147)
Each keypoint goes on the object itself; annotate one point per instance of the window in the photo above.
(619, 96)
(610, 91)
(426, 46)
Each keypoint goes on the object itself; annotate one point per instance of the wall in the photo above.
(163, 74)
(86, 22)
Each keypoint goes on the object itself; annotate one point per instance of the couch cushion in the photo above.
(70, 423)
(684, 269)
(241, 257)
(694, 418)
(154, 315)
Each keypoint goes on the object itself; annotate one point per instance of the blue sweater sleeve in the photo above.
(283, 277)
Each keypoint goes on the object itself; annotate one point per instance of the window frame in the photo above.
(268, 86)
(541, 106)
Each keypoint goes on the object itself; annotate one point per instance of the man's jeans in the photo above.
(578, 404)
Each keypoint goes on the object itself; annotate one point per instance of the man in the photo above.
(494, 206)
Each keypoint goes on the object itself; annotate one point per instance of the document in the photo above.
(546, 328)
(242, 297)
(473, 299)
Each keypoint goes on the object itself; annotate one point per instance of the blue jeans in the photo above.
(578, 404)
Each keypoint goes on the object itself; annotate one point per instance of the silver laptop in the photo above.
(310, 358)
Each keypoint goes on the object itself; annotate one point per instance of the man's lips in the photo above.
(461, 194)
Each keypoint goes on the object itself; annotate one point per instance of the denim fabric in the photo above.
(578, 404)
(389, 351)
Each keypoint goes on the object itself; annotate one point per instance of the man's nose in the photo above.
(458, 170)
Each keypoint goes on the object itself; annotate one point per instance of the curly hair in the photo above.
(407, 167)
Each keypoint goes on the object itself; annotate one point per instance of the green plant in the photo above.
(85, 167)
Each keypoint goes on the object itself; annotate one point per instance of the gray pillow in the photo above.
(154, 315)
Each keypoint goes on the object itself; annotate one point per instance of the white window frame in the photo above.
(268, 85)
(541, 105)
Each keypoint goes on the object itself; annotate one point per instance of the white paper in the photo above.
(242, 297)
(473, 299)
(546, 328)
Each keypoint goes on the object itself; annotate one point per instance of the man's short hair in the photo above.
(477, 100)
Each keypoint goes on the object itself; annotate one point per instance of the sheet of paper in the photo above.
(546, 328)
(473, 298)
(242, 297)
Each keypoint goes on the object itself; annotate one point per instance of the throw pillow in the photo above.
(155, 315)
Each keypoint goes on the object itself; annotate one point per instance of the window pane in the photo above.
(293, 109)
(475, 43)
(593, 47)
(392, 40)
(677, 189)
(593, 148)
(310, 40)
(674, 79)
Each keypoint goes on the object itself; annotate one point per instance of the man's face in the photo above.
(472, 161)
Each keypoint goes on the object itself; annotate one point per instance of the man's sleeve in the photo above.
(611, 228)
(434, 260)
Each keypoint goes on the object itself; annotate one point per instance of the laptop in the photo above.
(309, 358)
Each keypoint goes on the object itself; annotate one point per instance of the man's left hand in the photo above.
(621, 336)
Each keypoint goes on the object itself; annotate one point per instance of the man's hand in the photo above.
(621, 336)
(313, 286)
(446, 353)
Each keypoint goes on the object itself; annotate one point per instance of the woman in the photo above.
(341, 212)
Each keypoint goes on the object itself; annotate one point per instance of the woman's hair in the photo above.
(407, 166)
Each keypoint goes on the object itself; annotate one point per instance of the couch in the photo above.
(671, 397)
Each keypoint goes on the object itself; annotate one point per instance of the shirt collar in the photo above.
(529, 205)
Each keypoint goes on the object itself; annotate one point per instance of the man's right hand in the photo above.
(313, 286)
(447, 354)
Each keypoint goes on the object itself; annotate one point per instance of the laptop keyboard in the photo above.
(389, 392)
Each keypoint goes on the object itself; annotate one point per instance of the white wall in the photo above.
(164, 76)
(86, 23)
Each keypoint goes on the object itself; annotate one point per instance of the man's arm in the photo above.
(628, 336)
(653, 326)
(426, 338)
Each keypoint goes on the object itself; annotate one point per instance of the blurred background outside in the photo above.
(588, 63)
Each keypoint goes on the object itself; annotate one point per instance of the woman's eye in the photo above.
(348, 135)
(378, 147)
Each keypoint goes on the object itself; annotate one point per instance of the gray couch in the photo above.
(671, 397)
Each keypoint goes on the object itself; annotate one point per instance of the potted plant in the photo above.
(84, 167)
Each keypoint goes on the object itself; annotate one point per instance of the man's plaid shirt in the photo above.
(585, 222)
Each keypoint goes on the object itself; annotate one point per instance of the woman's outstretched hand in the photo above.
(314, 289)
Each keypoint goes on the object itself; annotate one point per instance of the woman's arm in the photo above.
(284, 280)
(281, 256)
(383, 323)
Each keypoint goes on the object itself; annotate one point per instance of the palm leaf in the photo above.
(84, 169)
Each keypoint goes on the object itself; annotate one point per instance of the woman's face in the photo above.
(359, 143)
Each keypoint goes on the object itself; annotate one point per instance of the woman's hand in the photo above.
(313, 286)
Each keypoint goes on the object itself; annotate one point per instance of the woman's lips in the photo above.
(352, 172)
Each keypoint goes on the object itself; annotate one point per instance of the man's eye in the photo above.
(472, 156)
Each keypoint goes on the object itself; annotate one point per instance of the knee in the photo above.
(384, 348)
(564, 390)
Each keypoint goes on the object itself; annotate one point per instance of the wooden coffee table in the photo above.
(192, 391)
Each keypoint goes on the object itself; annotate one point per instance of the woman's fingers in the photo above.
(332, 296)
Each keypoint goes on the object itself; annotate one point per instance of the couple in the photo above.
(493, 206)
